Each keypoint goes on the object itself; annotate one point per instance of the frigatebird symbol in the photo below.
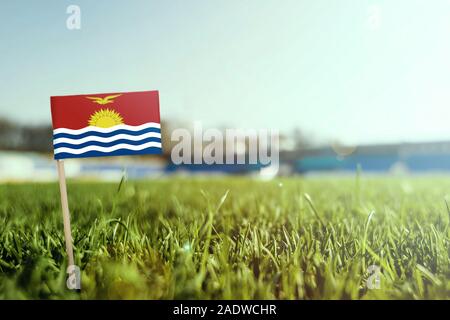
(105, 100)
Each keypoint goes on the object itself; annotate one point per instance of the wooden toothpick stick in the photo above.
(65, 211)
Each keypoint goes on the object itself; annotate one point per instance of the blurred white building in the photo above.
(28, 166)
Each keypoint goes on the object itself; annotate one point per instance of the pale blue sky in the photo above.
(312, 64)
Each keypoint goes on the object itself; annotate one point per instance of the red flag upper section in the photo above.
(136, 108)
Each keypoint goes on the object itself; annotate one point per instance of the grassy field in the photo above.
(230, 238)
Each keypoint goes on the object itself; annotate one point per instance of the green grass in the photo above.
(229, 238)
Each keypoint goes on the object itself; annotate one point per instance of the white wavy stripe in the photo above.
(109, 149)
(108, 139)
(107, 130)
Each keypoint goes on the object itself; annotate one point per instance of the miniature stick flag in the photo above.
(98, 125)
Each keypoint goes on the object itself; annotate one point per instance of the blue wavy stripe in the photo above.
(121, 152)
(104, 135)
(105, 144)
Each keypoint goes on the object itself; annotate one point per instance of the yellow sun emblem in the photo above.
(105, 118)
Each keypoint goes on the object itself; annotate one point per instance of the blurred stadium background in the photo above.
(371, 73)
(26, 154)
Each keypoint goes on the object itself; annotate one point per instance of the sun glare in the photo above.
(105, 118)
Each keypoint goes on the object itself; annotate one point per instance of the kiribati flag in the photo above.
(108, 124)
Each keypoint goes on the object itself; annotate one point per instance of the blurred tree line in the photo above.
(18, 137)
(39, 138)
